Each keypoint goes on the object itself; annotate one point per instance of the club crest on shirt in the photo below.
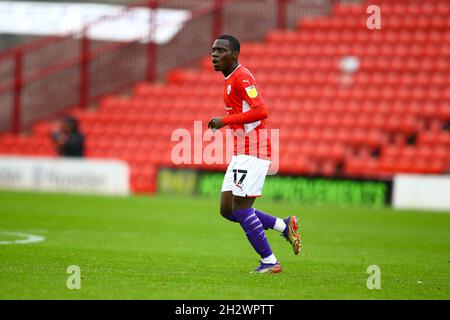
(229, 89)
(251, 91)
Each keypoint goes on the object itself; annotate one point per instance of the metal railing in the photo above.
(50, 75)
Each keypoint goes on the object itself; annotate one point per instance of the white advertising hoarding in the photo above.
(414, 191)
(64, 175)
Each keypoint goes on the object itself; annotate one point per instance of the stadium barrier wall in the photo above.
(65, 175)
(306, 190)
(415, 191)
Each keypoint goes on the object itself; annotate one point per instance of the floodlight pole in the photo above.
(151, 45)
(217, 19)
(16, 121)
(84, 69)
(281, 14)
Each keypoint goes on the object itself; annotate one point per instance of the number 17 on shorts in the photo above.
(245, 176)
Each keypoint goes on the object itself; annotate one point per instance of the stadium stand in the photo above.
(391, 115)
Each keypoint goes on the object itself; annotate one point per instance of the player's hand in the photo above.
(215, 123)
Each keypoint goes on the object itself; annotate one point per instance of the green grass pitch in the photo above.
(166, 247)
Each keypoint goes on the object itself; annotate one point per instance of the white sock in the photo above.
(270, 259)
(279, 225)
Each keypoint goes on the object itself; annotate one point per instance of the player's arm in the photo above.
(253, 115)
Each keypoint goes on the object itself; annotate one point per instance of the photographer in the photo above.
(69, 141)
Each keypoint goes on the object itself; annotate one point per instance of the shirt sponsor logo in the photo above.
(228, 108)
(251, 91)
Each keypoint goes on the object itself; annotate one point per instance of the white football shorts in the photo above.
(245, 175)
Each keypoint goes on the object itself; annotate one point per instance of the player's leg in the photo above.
(245, 215)
(287, 226)
(249, 175)
(240, 203)
(270, 222)
(226, 198)
(267, 221)
(226, 205)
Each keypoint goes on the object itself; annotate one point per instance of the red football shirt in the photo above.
(241, 94)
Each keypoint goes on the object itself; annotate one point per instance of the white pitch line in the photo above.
(29, 238)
